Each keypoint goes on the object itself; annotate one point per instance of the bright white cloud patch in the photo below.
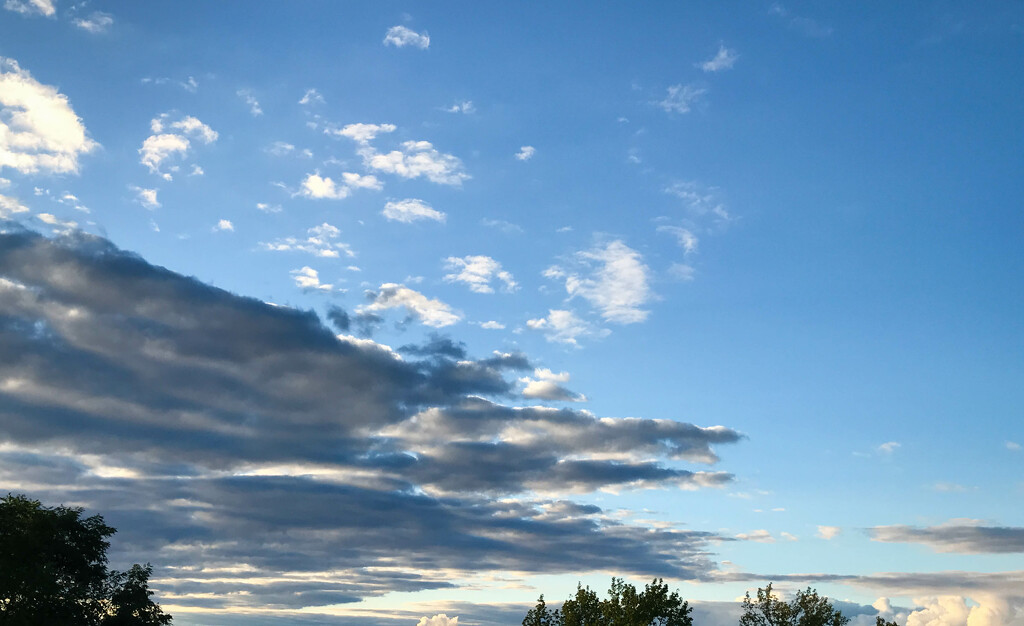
(415, 159)
(249, 99)
(10, 206)
(680, 98)
(361, 133)
(411, 210)
(828, 532)
(164, 144)
(39, 131)
(309, 278)
(224, 225)
(146, 197)
(432, 313)
(462, 107)
(616, 283)
(440, 619)
(97, 23)
(526, 153)
(562, 326)
(547, 385)
(478, 272)
(723, 60)
(760, 536)
(400, 37)
(320, 241)
(321, 187)
(31, 7)
(492, 325)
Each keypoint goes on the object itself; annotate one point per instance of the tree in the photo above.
(806, 609)
(53, 570)
(654, 606)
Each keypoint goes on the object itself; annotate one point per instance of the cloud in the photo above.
(312, 96)
(31, 7)
(400, 37)
(687, 240)
(58, 225)
(828, 532)
(723, 60)
(616, 283)
(223, 225)
(162, 146)
(146, 197)
(680, 98)
(362, 133)
(319, 187)
(506, 227)
(958, 535)
(251, 101)
(888, 447)
(478, 272)
(97, 23)
(563, 326)
(433, 313)
(415, 159)
(320, 241)
(441, 619)
(280, 148)
(700, 202)
(760, 536)
(309, 278)
(411, 210)
(546, 385)
(492, 325)
(39, 131)
(465, 107)
(803, 25)
(10, 205)
(188, 415)
(526, 153)
(1013, 446)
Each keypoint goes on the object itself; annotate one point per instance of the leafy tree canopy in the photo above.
(53, 570)
(806, 609)
(625, 606)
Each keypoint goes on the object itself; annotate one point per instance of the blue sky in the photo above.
(371, 313)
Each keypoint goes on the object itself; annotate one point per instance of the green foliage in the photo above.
(53, 570)
(881, 622)
(806, 609)
(654, 606)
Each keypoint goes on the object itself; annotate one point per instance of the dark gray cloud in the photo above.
(956, 537)
(249, 452)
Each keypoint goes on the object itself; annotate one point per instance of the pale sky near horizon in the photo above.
(368, 312)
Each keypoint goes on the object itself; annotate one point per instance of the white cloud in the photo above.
(357, 181)
(223, 225)
(280, 148)
(687, 240)
(724, 60)
(547, 385)
(312, 96)
(97, 23)
(526, 153)
(492, 325)
(193, 127)
(39, 131)
(361, 133)
(828, 532)
(400, 37)
(268, 208)
(478, 272)
(9, 206)
(680, 98)
(415, 159)
(309, 278)
(161, 146)
(760, 536)
(1013, 446)
(249, 99)
(563, 327)
(146, 197)
(324, 187)
(465, 107)
(617, 285)
(682, 271)
(53, 220)
(888, 447)
(31, 7)
(320, 241)
(700, 201)
(432, 313)
(411, 210)
(440, 619)
(71, 200)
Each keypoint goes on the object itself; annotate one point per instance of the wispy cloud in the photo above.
(478, 273)
(433, 313)
(97, 23)
(251, 101)
(165, 144)
(613, 279)
(680, 98)
(411, 210)
(723, 60)
(526, 153)
(31, 7)
(321, 241)
(400, 37)
(964, 536)
(563, 326)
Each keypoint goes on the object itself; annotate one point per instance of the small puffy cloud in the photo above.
(320, 241)
(526, 153)
(164, 144)
(888, 447)
(616, 282)
(478, 272)
(465, 107)
(400, 37)
(547, 385)
(415, 159)
(309, 278)
(146, 197)
(268, 208)
(323, 187)
(687, 240)
(760, 536)
(249, 99)
(1013, 446)
(193, 127)
(312, 96)
(59, 224)
(97, 23)
(828, 532)
(723, 60)
(224, 225)
(680, 98)
(39, 131)
(361, 133)
(411, 210)
(357, 181)
(492, 325)
(562, 326)
(433, 313)
(31, 7)
(10, 206)
(440, 619)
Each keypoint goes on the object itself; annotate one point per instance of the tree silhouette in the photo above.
(806, 609)
(654, 606)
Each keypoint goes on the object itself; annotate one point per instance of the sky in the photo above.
(396, 313)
